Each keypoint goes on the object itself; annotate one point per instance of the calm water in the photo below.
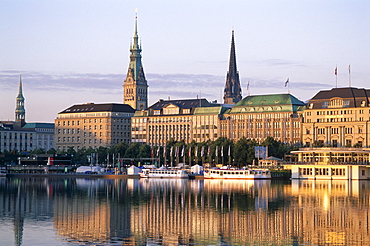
(59, 211)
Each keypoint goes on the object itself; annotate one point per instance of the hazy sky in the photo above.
(77, 51)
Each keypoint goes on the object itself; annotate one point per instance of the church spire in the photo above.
(232, 91)
(20, 112)
(135, 92)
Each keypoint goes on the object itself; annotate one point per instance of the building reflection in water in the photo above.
(182, 212)
(338, 214)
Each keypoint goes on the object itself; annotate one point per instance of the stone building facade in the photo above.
(93, 125)
(258, 117)
(338, 117)
(188, 120)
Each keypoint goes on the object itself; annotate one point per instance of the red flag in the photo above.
(336, 71)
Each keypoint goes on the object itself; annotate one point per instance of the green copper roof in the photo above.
(210, 110)
(268, 103)
(135, 56)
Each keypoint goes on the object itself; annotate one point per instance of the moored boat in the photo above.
(164, 173)
(237, 174)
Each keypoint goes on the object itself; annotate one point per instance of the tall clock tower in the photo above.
(135, 86)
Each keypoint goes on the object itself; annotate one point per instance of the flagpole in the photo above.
(336, 76)
(349, 75)
(287, 84)
(248, 89)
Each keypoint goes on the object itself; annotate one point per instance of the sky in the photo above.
(77, 51)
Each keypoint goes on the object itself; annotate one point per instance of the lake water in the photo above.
(74, 211)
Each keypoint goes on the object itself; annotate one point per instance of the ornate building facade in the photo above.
(135, 86)
(338, 117)
(93, 125)
(232, 91)
(188, 120)
(258, 117)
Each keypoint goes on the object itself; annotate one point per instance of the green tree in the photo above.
(119, 149)
(51, 151)
(102, 154)
(241, 148)
(132, 151)
(37, 151)
(144, 151)
(71, 151)
(80, 157)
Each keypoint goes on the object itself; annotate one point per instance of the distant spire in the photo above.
(232, 62)
(20, 112)
(135, 57)
(136, 36)
(232, 92)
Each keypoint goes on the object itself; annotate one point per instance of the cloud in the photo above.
(279, 84)
(273, 62)
(109, 86)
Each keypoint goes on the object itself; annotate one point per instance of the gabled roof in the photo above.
(354, 97)
(184, 104)
(104, 107)
(347, 92)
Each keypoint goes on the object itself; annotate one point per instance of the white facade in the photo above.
(27, 138)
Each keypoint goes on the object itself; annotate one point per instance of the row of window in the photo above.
(323, 120)
(276, 116)
(335, 130)
(322, 171)
(14, 135)
(85, 121)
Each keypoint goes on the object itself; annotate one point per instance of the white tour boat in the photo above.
(237, 174)
(164, 173)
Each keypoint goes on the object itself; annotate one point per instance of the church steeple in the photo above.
(135, 87)
(232, 91)
(20, 112)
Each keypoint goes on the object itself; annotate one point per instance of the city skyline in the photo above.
(77, 51)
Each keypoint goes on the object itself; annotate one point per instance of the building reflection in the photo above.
(182, 212)
(339, 211)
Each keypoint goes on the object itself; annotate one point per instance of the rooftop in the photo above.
(104, 107)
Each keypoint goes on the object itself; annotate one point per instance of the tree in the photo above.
(119, 149)
(241, 152)
(51, 151)
(38, 151)
(132, 151)
(144, 151)
(102, 154)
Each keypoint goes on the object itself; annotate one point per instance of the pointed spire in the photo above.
(20, 112)
(232, 91)
(135, 84)
(232, 62)
(136, 36)
(20, 90)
